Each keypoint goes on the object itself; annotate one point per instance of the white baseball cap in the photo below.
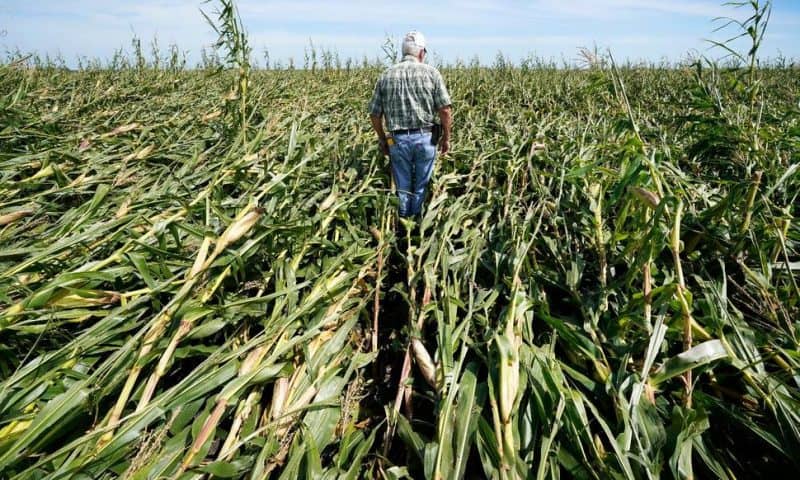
(414, 39)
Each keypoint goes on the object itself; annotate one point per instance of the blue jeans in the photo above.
(412, 157)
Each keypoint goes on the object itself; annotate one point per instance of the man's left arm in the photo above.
(377, 125)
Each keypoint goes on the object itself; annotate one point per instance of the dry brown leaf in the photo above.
(14, 216)
(211, 116)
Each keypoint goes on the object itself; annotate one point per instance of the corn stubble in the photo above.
(182, 299)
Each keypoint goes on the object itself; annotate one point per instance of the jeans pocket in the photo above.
(430, 150)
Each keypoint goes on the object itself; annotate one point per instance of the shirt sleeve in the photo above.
(376, 104)
(441, 98)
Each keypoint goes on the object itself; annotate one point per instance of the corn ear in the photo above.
(424, 362)
(646, 196)
(238, 229)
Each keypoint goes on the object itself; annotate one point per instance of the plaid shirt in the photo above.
(409, 94)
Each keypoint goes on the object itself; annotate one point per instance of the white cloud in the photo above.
(355, 28)
(610, 8)
(473, 11)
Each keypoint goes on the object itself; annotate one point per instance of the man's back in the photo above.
(409, 94)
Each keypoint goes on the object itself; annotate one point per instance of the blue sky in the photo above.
(634, 29)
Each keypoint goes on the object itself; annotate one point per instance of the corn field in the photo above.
(206, 281)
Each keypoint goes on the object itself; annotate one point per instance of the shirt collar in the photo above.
(410, 58)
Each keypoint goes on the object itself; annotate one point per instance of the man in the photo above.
(408, 96)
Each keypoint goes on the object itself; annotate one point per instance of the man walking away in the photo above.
(408, 96)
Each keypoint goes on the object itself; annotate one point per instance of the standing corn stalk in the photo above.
(233, 38)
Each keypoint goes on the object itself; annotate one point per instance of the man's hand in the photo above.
(444, 146)
(384, 146)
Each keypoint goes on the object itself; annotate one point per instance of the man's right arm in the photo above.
(376, 117)
(442, 102)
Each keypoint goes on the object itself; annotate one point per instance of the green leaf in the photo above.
(488, 449)
(206, 329)
(468, 408)
(687, 425)
(397, 473)
(220, 469)
(411, 438)
(699, 355)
